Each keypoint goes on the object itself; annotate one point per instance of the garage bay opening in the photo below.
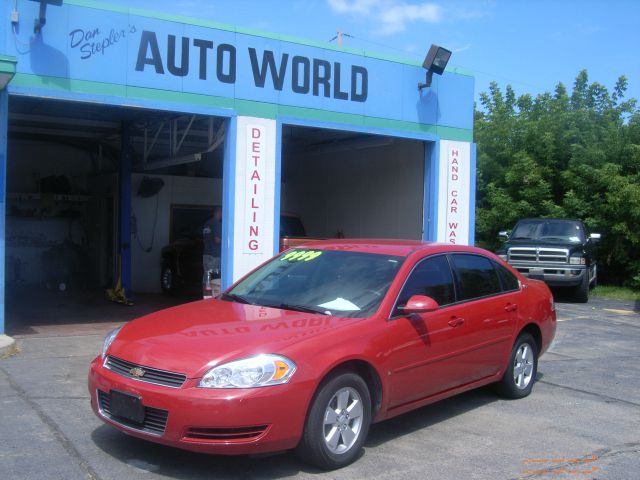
(341, 184)
(106, 206)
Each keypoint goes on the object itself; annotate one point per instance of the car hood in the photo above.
(192, 338)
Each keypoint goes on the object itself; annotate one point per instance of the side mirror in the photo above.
(503, 235)
(420, 304)
(595, 237)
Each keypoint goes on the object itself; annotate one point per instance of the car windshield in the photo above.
(342, 283)
(549, 231)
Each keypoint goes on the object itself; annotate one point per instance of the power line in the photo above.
(409, 54)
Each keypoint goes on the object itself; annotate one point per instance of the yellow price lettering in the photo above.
(301, 255)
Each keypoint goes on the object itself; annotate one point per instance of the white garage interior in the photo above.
(353, 185)
(63, 181)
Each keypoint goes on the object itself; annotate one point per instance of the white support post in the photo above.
(454, 188)
(254, 187)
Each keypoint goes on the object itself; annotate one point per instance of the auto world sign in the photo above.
(186, 56)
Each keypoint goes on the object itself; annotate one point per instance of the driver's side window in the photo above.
(431, 277)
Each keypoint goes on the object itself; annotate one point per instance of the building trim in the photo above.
(97, 92)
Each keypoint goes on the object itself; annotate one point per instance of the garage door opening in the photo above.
(346, 184)
(65, 220)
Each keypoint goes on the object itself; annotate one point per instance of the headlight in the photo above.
(576, 260)
(111, 336)
(258, 371)
(503, 256)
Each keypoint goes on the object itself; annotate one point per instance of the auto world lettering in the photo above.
(281, 71)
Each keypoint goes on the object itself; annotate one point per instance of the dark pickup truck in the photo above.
(557, 251)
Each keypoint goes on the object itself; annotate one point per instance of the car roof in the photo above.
(538, 219)
(401, 248)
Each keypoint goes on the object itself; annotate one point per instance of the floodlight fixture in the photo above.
(435, 62)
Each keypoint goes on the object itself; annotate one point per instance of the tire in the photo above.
(168, 280)
(342, 404)
(581, 291)
(520, 375)
(594, 282)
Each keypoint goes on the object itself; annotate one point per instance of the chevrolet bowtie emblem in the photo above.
(137, 372)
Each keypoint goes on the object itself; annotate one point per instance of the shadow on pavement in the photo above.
(181, 464)
(425, 417)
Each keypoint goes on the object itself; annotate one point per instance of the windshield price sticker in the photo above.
(301, 256)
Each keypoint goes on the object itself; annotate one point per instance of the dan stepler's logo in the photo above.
(94, 41)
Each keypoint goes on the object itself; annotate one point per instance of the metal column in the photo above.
(124, 211)
(4, 116)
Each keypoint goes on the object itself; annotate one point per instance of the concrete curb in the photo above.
(7, 345)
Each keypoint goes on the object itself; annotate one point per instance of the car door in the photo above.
(488, 303)
(422, 359)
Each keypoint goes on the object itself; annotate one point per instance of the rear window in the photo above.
(508, 279)
(291, 226)
(475, 276)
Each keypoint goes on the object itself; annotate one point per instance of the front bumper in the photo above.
(220, 421)
(555, 275)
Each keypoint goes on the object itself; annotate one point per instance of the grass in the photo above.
(618, 293)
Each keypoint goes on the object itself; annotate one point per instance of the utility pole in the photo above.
(339, 37)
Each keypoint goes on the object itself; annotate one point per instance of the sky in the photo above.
(531, 45)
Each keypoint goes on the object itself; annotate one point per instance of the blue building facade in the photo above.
(95, 53)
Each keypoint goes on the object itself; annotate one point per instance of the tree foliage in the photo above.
(563, 154)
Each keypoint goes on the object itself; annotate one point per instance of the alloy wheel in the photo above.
(343, 420)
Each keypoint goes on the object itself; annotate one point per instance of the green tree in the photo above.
(561, 154)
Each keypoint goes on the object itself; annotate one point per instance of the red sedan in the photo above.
(312, 347)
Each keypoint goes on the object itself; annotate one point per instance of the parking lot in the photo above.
(581, 421)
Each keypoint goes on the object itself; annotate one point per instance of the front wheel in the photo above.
(337, 423)
(581, 292)
(518, 379)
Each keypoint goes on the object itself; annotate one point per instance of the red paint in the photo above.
(418, 360)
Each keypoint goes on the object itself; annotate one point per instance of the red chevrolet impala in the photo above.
(312, 347)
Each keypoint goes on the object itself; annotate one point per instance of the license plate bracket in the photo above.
(127, 406)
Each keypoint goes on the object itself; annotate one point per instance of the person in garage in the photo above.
(212, 240)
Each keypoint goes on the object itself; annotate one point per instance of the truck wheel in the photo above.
(581, 292)
(337, 423)
(167, 280)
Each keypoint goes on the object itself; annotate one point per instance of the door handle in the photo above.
(456, 322)
(511, 307)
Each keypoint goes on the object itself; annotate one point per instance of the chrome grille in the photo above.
(542, 255)
(155, 419)
(151, 375)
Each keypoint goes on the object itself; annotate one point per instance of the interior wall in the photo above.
(35, 224)
(34, 160)
(374, 192)
(147, 241)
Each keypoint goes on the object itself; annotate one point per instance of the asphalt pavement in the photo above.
(581, 421)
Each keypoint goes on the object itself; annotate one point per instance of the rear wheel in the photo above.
(337, 423)
(520, 375)
(167, 279)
